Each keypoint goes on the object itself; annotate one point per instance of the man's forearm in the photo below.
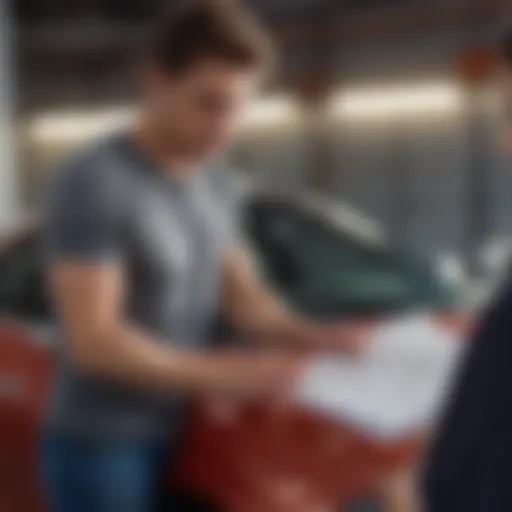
(259, 314)
(399, 494)
(131, 358)
(263, 316)
(252, 308)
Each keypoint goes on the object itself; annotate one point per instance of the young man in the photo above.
(470, 464)
(143, 250)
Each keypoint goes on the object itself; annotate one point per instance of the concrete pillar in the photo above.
(9, 190)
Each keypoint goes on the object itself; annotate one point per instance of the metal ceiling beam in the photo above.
(354, 27)
(392, 22)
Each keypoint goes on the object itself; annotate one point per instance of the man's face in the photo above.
(505, 91)
(197, 109)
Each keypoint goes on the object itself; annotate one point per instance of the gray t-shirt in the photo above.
(112, 203)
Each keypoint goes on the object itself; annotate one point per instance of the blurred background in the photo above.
(382, 103)
(385, 105)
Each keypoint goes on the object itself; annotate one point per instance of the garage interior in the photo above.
(386, 106)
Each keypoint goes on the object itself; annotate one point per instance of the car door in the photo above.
(24, 370)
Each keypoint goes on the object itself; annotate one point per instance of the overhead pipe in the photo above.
(353, 27)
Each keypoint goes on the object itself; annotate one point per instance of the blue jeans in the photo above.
(101, 476)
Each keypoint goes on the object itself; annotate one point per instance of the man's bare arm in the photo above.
(248, 303)
(89, 299)
(255, 309)
(398, 494)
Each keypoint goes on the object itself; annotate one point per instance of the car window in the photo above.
(22, 290)
(323, 270)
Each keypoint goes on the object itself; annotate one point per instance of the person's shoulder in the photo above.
(94, 165)
(88, 184)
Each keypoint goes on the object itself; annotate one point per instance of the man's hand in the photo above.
(267, 374)
(352, 338)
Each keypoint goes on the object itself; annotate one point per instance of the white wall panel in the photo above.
(9, 191)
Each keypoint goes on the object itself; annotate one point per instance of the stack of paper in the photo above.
(395, 389)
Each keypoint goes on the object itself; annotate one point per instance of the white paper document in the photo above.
(395, 389)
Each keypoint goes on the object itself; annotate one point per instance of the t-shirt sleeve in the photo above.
(83, 217)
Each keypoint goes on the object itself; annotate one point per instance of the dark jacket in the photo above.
(470, 465)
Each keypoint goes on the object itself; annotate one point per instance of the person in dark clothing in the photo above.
(469, 468)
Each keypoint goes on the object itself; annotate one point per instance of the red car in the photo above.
(248, 459)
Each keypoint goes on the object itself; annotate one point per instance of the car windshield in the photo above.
(323, 269)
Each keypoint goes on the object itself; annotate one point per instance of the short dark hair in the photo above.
(198, 29)
(505, 47)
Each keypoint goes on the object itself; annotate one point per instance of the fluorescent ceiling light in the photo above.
(74, 126)
(269, 111)
(396, 101)
(70, 126)
(351, 104)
